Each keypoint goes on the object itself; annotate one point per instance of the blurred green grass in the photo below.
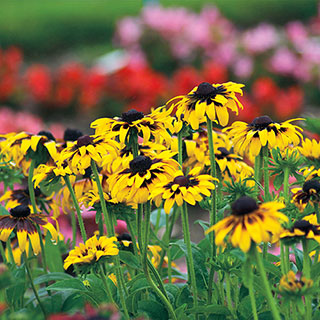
(46, 28)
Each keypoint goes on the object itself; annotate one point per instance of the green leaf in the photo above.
(54, 276)
(162, 220)
(270, 267)
(154, 309)
(54, 259)
(246, 274)
(129, 259)
(3, 210)
(180, 312)
(16, 292)
(211, 309)
(69, 284)
(184, 297)
(172, 292)
(315, 271)
(278, 181)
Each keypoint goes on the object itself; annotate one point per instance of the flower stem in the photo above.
(106, 214)
(146, 263)
(44, 257)
(252, 298)
(257, 173)
(3, 253)
(306, 273)
(76, 206)
(265, 153)
(31, 188)
(286, 185)
(10, 253)
(32, 284)
(268, 294)
(168, 251)
(317, 211)
(105, 283)
(228, 290)
(187, 241)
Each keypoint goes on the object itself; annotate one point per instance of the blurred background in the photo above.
(66, 63)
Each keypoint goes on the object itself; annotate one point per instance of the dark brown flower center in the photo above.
(223, 153)
(243, 206)
(303, 225)
(72, 134)
(206, 90)
(140, 164)
(132, 115)
(20, 211)
(261, 123)
(84, 141)
(311, 184)
(47, 134)
(181, 180)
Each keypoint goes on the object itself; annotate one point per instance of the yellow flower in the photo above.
(135, 183)
(262, 131)
(212, 100)
(87, 148)
(24, 223)
(92, 251)
(310, 149)
(307, 228)
(151, 126)
(289, 284)
(249, 222)
(182, 188)
(310, 192)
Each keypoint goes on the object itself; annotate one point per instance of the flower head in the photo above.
(180, 188)
(135, 183)
(153, 125)
(212, 100)
(79, 154)
(307, 228)
(310, 192)
(24, 223)
(92, 251)
(262, 131)
(249, 222)
(292, 287)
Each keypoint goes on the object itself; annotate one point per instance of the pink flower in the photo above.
(283, 61)
(128, 31)
(243, 67)
(261, 38)
(296, 32)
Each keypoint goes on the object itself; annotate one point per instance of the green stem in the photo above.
(228, 290)
(32, 284)
(145, 264)
(265, 152)
(268, 294)
(76, 206)
(257, 173)
(306, 273)
(31, 188)
(105, 283)
(133, 237)
(168, 251)
(106, 214)
(10, 253)
(187, 241)
(180, 155)
(213, 207)
(139, 226)
(44, 257)
(286, 186)
(252, 298)
(3, 253)
(286, 259)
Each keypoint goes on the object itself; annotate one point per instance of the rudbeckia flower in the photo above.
(262, 131)
(87, 148)
(17, 197)
(92, 251)
(153, 125)
(310, 192)
(135, 183)
(249, 222)
(23, 222)
(310, 149)
(190, 188)
(307, 228)
(291, 286)
(212, 100)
